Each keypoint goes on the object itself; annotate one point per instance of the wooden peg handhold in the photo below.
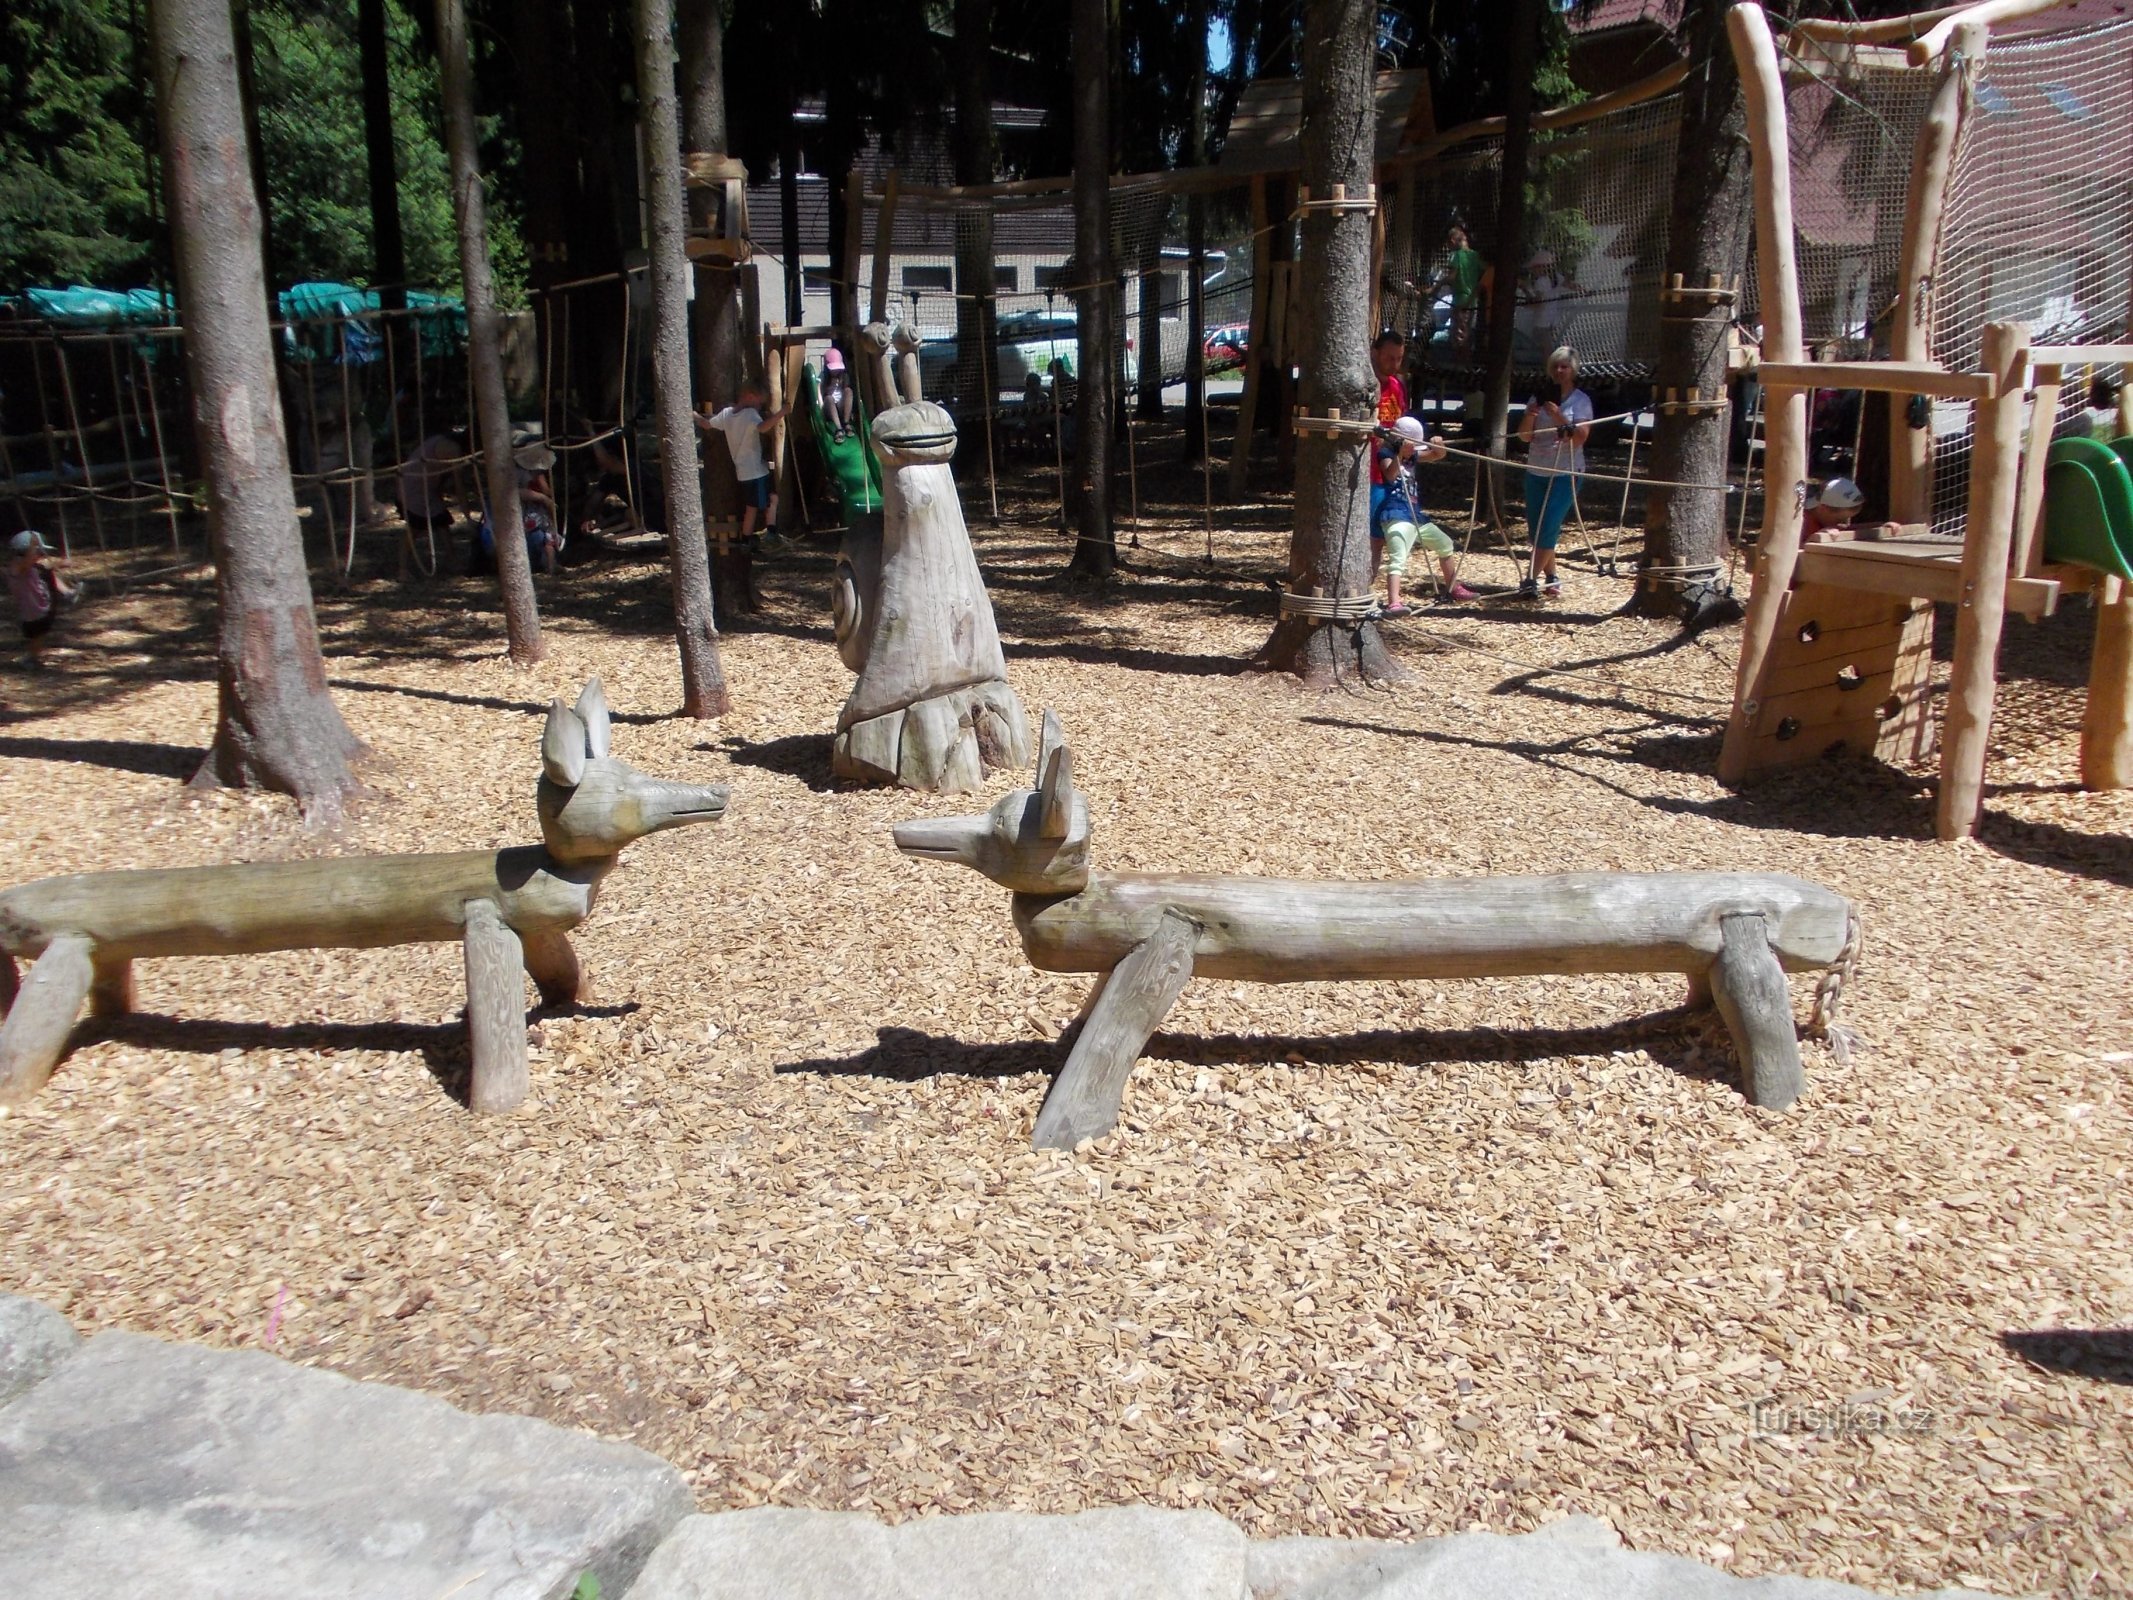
(35, 1034)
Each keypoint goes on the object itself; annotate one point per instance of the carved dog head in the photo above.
(1033, 841)
(591, 804)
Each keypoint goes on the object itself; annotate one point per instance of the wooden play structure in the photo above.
(1146, 934)
(511, 910)
(932, 708)
(1836, 649)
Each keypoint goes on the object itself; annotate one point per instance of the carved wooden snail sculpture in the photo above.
(1145, 934)
(932, 708)
(510, 909)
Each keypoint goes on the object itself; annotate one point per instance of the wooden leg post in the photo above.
(1132, 1001)
(2107, 723)
(553, 966)
(496, 1011)
(35, 1034)
(111, 989)
(1966, 732)
(1749, 986)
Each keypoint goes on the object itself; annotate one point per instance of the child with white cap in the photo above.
(1400, 518)
(33, 578)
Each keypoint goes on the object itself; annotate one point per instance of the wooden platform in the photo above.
(1927, 569)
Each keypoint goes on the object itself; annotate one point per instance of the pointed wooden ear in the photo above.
(592, 711)
(1056, 793)
(563, 746)
(1050, 736)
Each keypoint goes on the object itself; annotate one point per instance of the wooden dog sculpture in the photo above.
(507, 907)
(1146, 934)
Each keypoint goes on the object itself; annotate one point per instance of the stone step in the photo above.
(143, 1468)
(34, 1339)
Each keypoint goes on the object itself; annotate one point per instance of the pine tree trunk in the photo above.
(1707, 239)
(485, 356)
(248, 97)
(703, 680)
(1329, 552)
(276, 726)
(976, 320)
(388, 249)
(1149, 405)
(717, 317)
(1510, 239)
(1096, 365)
(1196, 245)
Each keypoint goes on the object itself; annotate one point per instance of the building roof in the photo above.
(1263, 130)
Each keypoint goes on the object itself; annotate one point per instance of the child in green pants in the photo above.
(1400, 516)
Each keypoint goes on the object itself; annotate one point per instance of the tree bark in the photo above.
(1707, 241)
(1329, 552)
(492, 409)
(1149, 403)
(717, 317)
(703, 680)
(1196, 241)
(976, 158)
(248, 97)
(1510, 234)
(276, 726)
(388, 250)
(789, 201)
(1096, 549)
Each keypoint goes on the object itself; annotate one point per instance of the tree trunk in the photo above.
(1707, 242)
(789, 204)
(248, 96)
(1329, 552)
(701, 36)
(276, 726)
(976, 156)
(1196, 241)
(1096, 365)
(388, 252)
(1149, 405)
(1510, 235)
(492, 410)
(703, 681)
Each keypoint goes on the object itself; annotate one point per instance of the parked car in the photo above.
(1030, 341)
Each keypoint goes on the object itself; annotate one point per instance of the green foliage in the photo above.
(588, 1588)
(73, 181)
(76, 132)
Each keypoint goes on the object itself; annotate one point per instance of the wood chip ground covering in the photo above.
(1384, 1260)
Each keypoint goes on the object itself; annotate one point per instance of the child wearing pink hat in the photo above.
(837, 394)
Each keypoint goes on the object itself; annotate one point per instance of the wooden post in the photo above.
(496, 1011)
(1987, 541)
(111, 989)
(884, 248)
(2107, 723)
(2028, 558)
(553, 966)
(1256, 353)
(1911, 318)
(35, 1033)
(1785, 413)
(1130, 1004)
(1748, 985)
(844, 299)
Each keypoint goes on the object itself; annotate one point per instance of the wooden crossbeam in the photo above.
(1880, 377)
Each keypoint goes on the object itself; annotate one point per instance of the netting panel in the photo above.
(1597, 226)
(1851, 131)
(2038, 227)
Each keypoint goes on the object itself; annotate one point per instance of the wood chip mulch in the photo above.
(1382, 1260)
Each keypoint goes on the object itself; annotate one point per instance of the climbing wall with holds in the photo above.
(1848, 670)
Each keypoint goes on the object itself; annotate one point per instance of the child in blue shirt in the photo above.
(1400, 515)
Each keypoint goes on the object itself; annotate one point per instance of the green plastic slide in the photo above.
(2088, 505)
(853, 471)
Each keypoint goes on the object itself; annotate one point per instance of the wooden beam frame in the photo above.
(1931, 45)
(1785, 417)
(1878, 377)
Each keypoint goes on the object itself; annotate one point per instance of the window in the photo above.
(817, 279)
(1006, 280)
(1052, 277)
(942, 278)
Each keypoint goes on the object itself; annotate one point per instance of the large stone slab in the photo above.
(143, 1468)
(33, 1340)
(1119, 1553)
(1569, 1563)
